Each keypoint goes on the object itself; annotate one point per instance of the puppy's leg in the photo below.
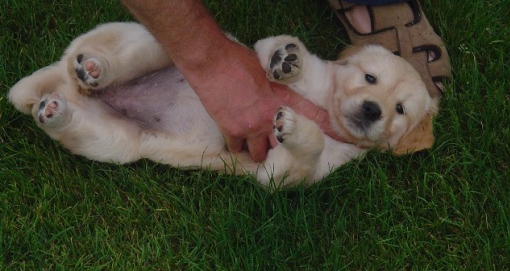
(27, 92)
(111, 54)
(89, 128)
(295, 159)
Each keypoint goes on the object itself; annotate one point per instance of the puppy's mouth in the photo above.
(358, 126)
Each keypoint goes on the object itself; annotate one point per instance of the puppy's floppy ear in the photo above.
(419, 138)
(346, 53)
(349, 51)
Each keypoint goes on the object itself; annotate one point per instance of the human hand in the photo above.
(236, 93)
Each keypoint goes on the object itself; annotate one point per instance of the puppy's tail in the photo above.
(29, 90)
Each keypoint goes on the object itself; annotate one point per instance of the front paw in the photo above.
(284, 124)
(286, 63)
(90, 72)
(51, 109)
(296, 133)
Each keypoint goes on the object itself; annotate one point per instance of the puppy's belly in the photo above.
(161, 101)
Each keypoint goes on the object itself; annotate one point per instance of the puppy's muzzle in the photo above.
(366, 114)
(371, 111)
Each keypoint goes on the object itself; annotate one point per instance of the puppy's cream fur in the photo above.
(115, 97)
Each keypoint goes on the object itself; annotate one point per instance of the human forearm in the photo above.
(188, 33)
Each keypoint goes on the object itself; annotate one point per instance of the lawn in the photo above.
(443, 209)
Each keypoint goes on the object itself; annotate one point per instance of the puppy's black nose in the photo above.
(371, 111)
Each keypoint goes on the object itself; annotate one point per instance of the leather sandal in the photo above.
(409, 37)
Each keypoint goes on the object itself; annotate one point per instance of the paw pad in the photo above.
(285, 62)
(89, 70)
(50, 108)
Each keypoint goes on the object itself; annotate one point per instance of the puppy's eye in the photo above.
(400, 109)
(370, 78)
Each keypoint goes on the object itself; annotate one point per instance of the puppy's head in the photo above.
(380, 101)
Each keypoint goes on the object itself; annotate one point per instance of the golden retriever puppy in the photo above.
(116, 97)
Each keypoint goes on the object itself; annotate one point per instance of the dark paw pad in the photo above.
(279, 137)
(79, 58)
(275, 59)
(279, 115)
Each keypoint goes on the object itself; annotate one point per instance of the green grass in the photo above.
(443, 209)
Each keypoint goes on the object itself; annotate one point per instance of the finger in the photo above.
(273, 141)
(258, 147)
(234, 144)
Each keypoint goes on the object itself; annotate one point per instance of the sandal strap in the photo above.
(406, 32)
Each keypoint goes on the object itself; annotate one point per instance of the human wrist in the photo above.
(185, 29)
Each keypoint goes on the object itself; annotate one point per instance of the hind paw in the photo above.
(90, 71)
(51, 109)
